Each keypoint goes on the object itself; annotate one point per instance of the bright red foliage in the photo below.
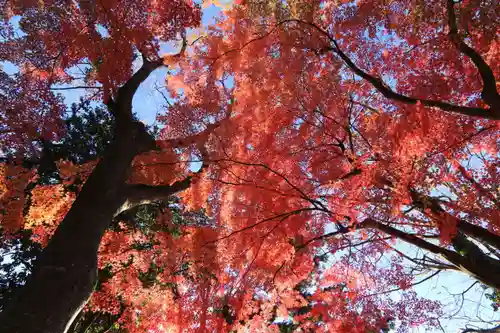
(317, 170)
(82, 43)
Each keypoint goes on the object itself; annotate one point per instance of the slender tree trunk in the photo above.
(66, 272)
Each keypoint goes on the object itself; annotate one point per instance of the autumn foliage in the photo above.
(308, 144)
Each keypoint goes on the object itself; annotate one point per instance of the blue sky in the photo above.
(147, 101)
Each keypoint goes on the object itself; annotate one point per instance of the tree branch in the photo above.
(388, 93)
(340, 231)
(489, 94)
(121, 107)
(495, 329)
(493, 113)
(469, 265)
(140, 194)
(272, 218)
(483, 191)
(424, 201)
(412, 239)
(75, 87)
(410, 286)
(422, 261)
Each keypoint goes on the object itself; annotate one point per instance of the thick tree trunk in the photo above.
(66, 272)
(481, 234)
(483, 267)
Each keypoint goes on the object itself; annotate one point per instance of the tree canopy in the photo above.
(303, 151)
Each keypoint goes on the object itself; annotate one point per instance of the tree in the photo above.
(55, 37)
(319, 133)
(313, 170)
(334, 110)
(87, 132)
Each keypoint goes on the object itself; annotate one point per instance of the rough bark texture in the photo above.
(66, 272)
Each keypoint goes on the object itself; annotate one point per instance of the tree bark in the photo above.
(473, 262)
(479, 233)
(65, 274)
(438, 213)
(495, 329)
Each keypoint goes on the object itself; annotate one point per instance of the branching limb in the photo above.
(282, 217)
(424, 201)
(121, 106)
(392, 95)
(495, 329)
(467, 264)
(482, 190)
(489, 94)
(493, 113)
(140, 194)
(410, 286)
(411, 239)
(340, 231)
(435, 264)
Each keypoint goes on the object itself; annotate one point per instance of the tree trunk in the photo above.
(66, 272)
(483, 267)
(481, 234)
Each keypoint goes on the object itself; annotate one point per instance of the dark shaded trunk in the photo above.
(485, 268)
(495, 329)
(481, 234)
(65, 274)
(468, 257)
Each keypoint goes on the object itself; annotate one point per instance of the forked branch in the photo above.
(489, 90)
(141, 194)
(489, 94)
(121, 106)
